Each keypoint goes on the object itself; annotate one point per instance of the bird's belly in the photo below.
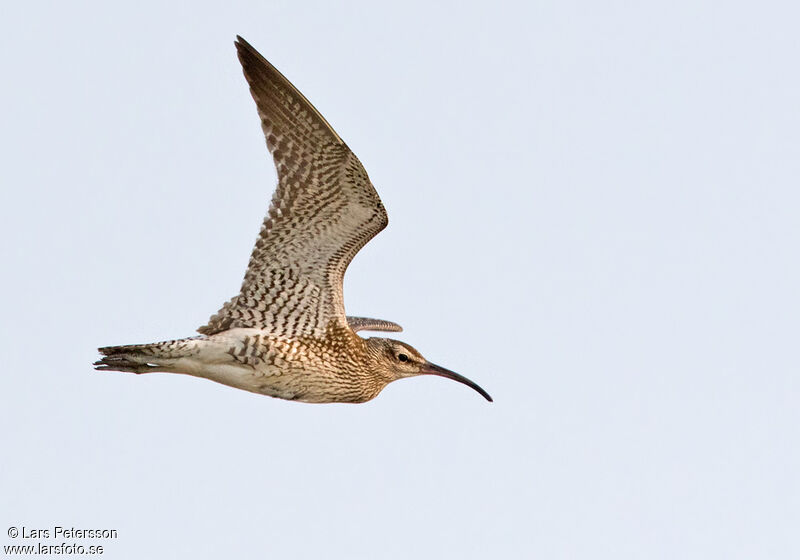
(262, 379)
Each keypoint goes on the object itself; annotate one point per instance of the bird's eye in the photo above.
(402, 357)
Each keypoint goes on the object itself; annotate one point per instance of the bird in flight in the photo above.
(286, 334)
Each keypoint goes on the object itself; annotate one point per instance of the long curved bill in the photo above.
(433, 369)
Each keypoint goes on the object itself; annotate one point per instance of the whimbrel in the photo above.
(286, 334)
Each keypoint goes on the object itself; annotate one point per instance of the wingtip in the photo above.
(391, 326)
(241, 44)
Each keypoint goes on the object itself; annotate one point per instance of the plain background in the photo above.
(593, 214)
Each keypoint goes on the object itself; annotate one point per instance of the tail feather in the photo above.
(143, 358)
(130, 365)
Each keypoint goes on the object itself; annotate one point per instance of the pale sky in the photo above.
(593, 214)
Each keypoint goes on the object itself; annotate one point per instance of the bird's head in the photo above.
(398, 360)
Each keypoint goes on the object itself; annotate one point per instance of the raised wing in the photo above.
(367, 324)
(323, 211)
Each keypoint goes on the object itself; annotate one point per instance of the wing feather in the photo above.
(367, 324)
(323, 211)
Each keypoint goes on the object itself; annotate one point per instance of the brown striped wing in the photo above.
(323, 211)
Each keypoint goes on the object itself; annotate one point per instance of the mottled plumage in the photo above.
(286, 333)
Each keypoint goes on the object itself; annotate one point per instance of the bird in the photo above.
(286, 334)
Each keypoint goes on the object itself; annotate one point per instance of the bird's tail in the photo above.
(143, 358)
